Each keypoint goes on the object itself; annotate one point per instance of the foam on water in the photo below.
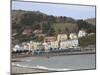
(40, 67)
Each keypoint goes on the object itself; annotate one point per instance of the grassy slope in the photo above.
(71, 27)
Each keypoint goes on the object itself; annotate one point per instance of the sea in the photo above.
(59, 63)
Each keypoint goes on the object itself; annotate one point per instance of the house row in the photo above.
(62, 41)
(47, 46)
(39, 32)
(69, 44)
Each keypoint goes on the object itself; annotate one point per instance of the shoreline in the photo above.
(19, 59)
(25, 70)
(22, 69)
(56, 54)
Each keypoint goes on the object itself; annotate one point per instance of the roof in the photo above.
(50, 38)
(37, 31)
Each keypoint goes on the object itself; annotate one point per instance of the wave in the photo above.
(26, 60)
(40, 67)
(51, 69)
(23, 60)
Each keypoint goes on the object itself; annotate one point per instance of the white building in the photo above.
(50, 45)
(82, 33)
(62, 37)
(54, 44)
(35, 46)
(18, 48)
(25, 46)
(69, 44)
(73, 36)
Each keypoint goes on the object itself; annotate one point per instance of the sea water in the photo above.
(60, 63)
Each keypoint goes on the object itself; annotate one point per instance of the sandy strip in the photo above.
(22, 70)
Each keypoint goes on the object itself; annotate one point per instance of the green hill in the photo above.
(51, 25)
(91, 21)
(65, 27)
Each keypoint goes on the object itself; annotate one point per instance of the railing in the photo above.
(69, 51)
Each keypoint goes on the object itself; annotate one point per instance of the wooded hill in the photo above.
(51, 25)
(91, 21)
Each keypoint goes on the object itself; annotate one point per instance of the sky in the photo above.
(74, 11)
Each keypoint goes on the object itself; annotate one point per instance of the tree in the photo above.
(51, 32)
(88, 40)
(46, 27)
(86, 26)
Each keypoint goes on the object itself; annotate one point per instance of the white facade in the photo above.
(18, 48)
(54, 44)
(35, 46)
(25, 47)
(82, 33)
(69, 44)
(73, 36)
(45, 46)
(50, 45)
(62, 37)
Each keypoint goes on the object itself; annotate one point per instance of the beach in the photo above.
(23, 70)
(53, 64)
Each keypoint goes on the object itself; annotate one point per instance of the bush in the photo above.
(87, 40)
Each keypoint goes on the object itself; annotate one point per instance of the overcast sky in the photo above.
(74, 11)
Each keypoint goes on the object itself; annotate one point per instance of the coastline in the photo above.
(20, 59)
(24, 70)
(56, 54)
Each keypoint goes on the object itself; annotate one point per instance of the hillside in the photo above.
(91, 21)
(65, 27)
(24, 23)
